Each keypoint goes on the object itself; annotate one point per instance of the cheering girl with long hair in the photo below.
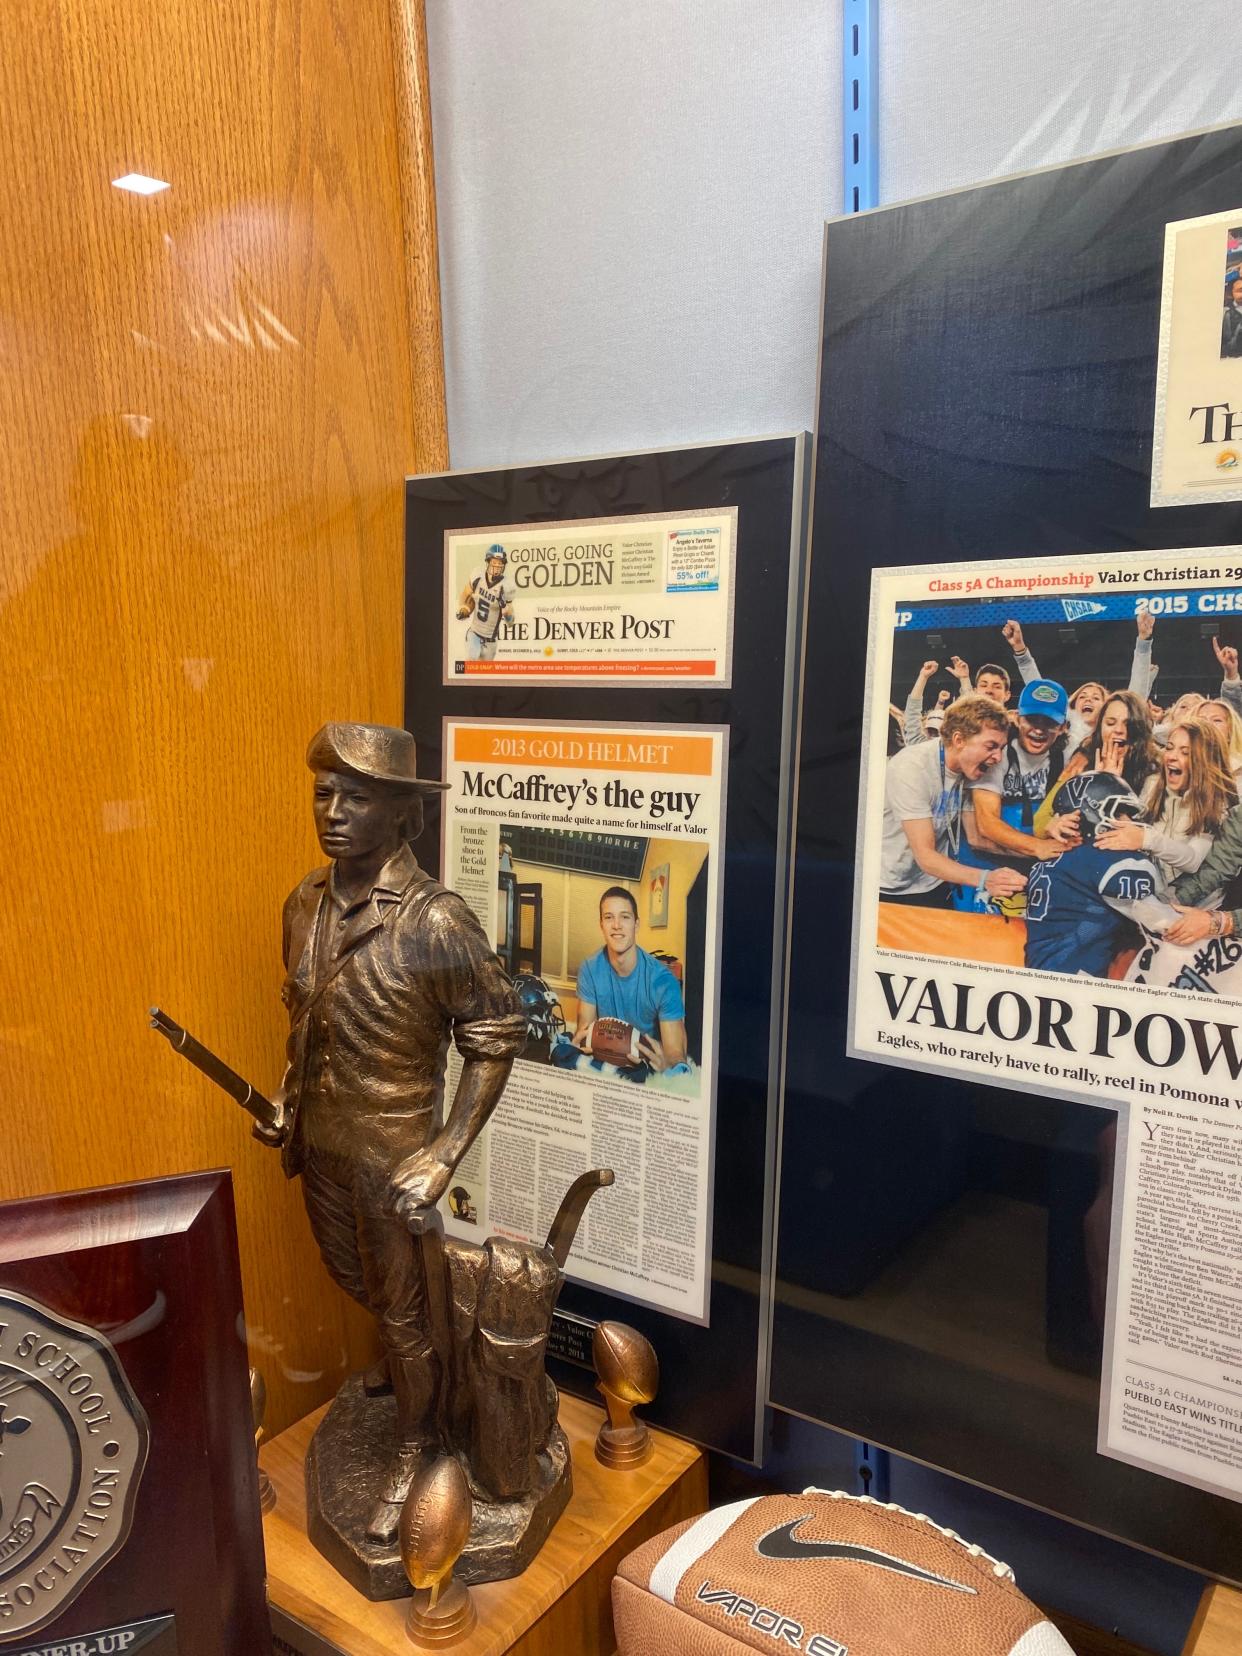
(1121, 743)
(1186, 805)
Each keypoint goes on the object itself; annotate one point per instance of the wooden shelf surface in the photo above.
(561, 1603)
(1217, 1629)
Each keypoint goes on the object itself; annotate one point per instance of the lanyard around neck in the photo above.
(953, 821)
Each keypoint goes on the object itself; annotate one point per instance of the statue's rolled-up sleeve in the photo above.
(468, 982)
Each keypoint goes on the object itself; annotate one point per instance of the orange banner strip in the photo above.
(611, 750)
(593, 668)
(984, 939)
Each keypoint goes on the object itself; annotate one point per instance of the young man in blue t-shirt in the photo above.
(624, 981)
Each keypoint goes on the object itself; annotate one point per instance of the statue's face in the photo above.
(354, 817)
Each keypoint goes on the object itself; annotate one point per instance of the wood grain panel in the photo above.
(208, 408)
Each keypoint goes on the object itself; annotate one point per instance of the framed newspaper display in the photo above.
(992, 581)
(1197, 441)
(1069, 949)
(655, 794)
(616, 736)
(639, 598)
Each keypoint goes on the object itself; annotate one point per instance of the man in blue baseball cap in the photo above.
(1044, 699)
(1006, 797)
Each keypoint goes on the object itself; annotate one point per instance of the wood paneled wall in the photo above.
(209, 400)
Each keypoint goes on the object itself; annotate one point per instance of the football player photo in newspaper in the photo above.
(602, 998)
(485, 601)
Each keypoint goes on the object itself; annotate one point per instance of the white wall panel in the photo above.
(631, 192)
(631, 196)
(974, 89)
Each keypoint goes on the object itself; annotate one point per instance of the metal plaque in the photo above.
(154, 1636)
(570, 1338)
(73, 1443)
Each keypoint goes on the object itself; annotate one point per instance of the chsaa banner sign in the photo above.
(1050, 848)
(1207, 603)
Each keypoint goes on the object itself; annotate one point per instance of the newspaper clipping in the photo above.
(1171, 1397)
(625, 600)
(1049, 847)
(592, 855)
(1197, 451)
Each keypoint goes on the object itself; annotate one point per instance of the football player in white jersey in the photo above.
(487, 599)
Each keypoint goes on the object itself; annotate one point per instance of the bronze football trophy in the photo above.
(258, 1408)
(384, 966)
(628, 1374)
(434, 1527)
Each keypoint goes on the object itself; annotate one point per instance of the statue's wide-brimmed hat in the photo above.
(378, 752)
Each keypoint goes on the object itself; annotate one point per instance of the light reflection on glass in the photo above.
(140, 184)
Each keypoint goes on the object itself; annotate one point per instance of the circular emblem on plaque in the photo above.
(73, 1443)
(1227, 460)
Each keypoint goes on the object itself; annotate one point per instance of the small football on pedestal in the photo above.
(258, 1408)
(434, 1527)
(628, 1375)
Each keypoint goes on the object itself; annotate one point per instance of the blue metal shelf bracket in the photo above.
(860, 59)
(871, 1470)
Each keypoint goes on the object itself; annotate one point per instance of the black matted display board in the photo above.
(713, 1377)
(987, 386)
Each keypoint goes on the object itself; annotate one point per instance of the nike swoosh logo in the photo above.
(783, 1544)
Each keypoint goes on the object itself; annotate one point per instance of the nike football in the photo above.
(824, 1574)
(613, 1041)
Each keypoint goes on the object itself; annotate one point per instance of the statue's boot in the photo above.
(415, 1382)
(377, 1381)
(386, 1513)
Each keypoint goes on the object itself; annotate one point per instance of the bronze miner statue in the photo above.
(384, 967)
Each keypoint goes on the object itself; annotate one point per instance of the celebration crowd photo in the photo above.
(1063, 794)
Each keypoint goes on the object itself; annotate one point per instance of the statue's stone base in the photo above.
(345, 1469)
(560, 1603)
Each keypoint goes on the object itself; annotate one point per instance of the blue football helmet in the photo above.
(1101, 799)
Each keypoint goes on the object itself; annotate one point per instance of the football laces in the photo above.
(973, 1549)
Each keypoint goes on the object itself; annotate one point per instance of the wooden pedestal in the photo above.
(562, 1603)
